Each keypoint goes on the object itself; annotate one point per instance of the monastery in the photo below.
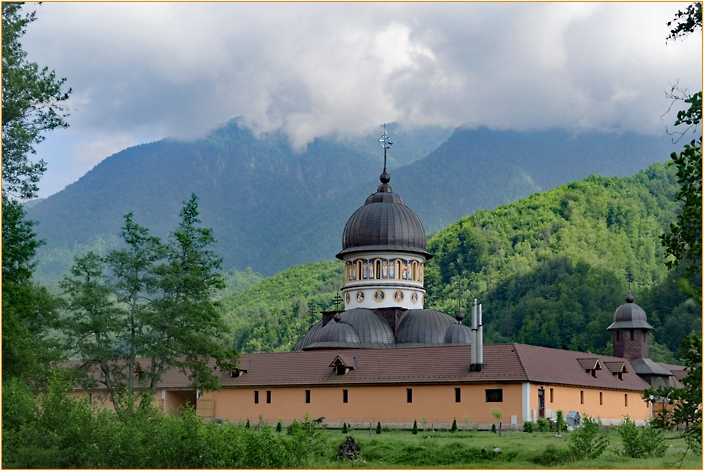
(385, 358)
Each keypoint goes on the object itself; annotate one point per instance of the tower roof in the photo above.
(384, 223)
(630, 316)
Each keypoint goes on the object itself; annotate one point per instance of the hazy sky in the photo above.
(144, 71)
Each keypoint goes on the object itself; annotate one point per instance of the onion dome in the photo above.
(458, 334)
(423, 327)
(384, 223)
(630, 316)
(370, 327)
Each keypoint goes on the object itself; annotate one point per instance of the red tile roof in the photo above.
(422, 365)
(549, 365)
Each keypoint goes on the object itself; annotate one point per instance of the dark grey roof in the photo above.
(308, 338)
(630, 316)
(337, 331)
(384, 223)
(458, 334)
(370, 327)
(423, 326)
(645, 366)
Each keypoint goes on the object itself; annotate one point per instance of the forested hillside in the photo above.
(549, 270)
(272, 207)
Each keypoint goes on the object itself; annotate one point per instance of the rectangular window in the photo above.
(268, 397)
(307, 396)
(345, 396)
(581, 397)
(494, 395)
(458, 395)
(550, 395)
(625, 397)
(601, 399)
(256, 397)
(409, 395)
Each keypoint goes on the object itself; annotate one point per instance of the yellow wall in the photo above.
(611, 409)
(387, 404)
(368, 404)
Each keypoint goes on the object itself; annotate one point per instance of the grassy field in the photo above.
(401, 449)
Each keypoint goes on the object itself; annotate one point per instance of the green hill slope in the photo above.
(549, 270)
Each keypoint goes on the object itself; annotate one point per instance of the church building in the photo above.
(386, 358)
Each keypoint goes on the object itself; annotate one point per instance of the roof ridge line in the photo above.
(520, 360)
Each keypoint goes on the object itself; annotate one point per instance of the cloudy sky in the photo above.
(144, 71)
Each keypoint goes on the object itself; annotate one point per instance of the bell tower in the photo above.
(630, 329)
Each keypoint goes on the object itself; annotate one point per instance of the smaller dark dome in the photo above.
(423, 327)
(458, 334)
(336, 334)
(371, 327)
(310, 335)
(630, 316)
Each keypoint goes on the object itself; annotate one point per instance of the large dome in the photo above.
(384, 223)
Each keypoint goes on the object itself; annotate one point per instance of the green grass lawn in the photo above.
(401, 449)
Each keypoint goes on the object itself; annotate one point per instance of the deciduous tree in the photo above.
(684, 241)
(149, 300)
(33, 102)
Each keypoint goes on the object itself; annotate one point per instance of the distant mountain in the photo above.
(253, 192)
(549, 270)
(271, 207)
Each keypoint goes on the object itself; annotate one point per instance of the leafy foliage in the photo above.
(586, 442)
(686, 22)
(55, 430)
(641, 442)
(683, 409)
(684, 239)
(31, 104)
(149, 300)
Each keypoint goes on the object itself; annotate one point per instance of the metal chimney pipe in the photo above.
(480, 341)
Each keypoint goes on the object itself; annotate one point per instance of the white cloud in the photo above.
(151, 70)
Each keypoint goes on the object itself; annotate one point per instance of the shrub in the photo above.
(279, 426)
(344, 427)
(528, 426)
(247, 424)
(415, 428)
(551, 456)
(378, 428)
(560, 422)
(543, 425)
(586, 442)
(453, 429)
(641, 442)
(493, 428)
